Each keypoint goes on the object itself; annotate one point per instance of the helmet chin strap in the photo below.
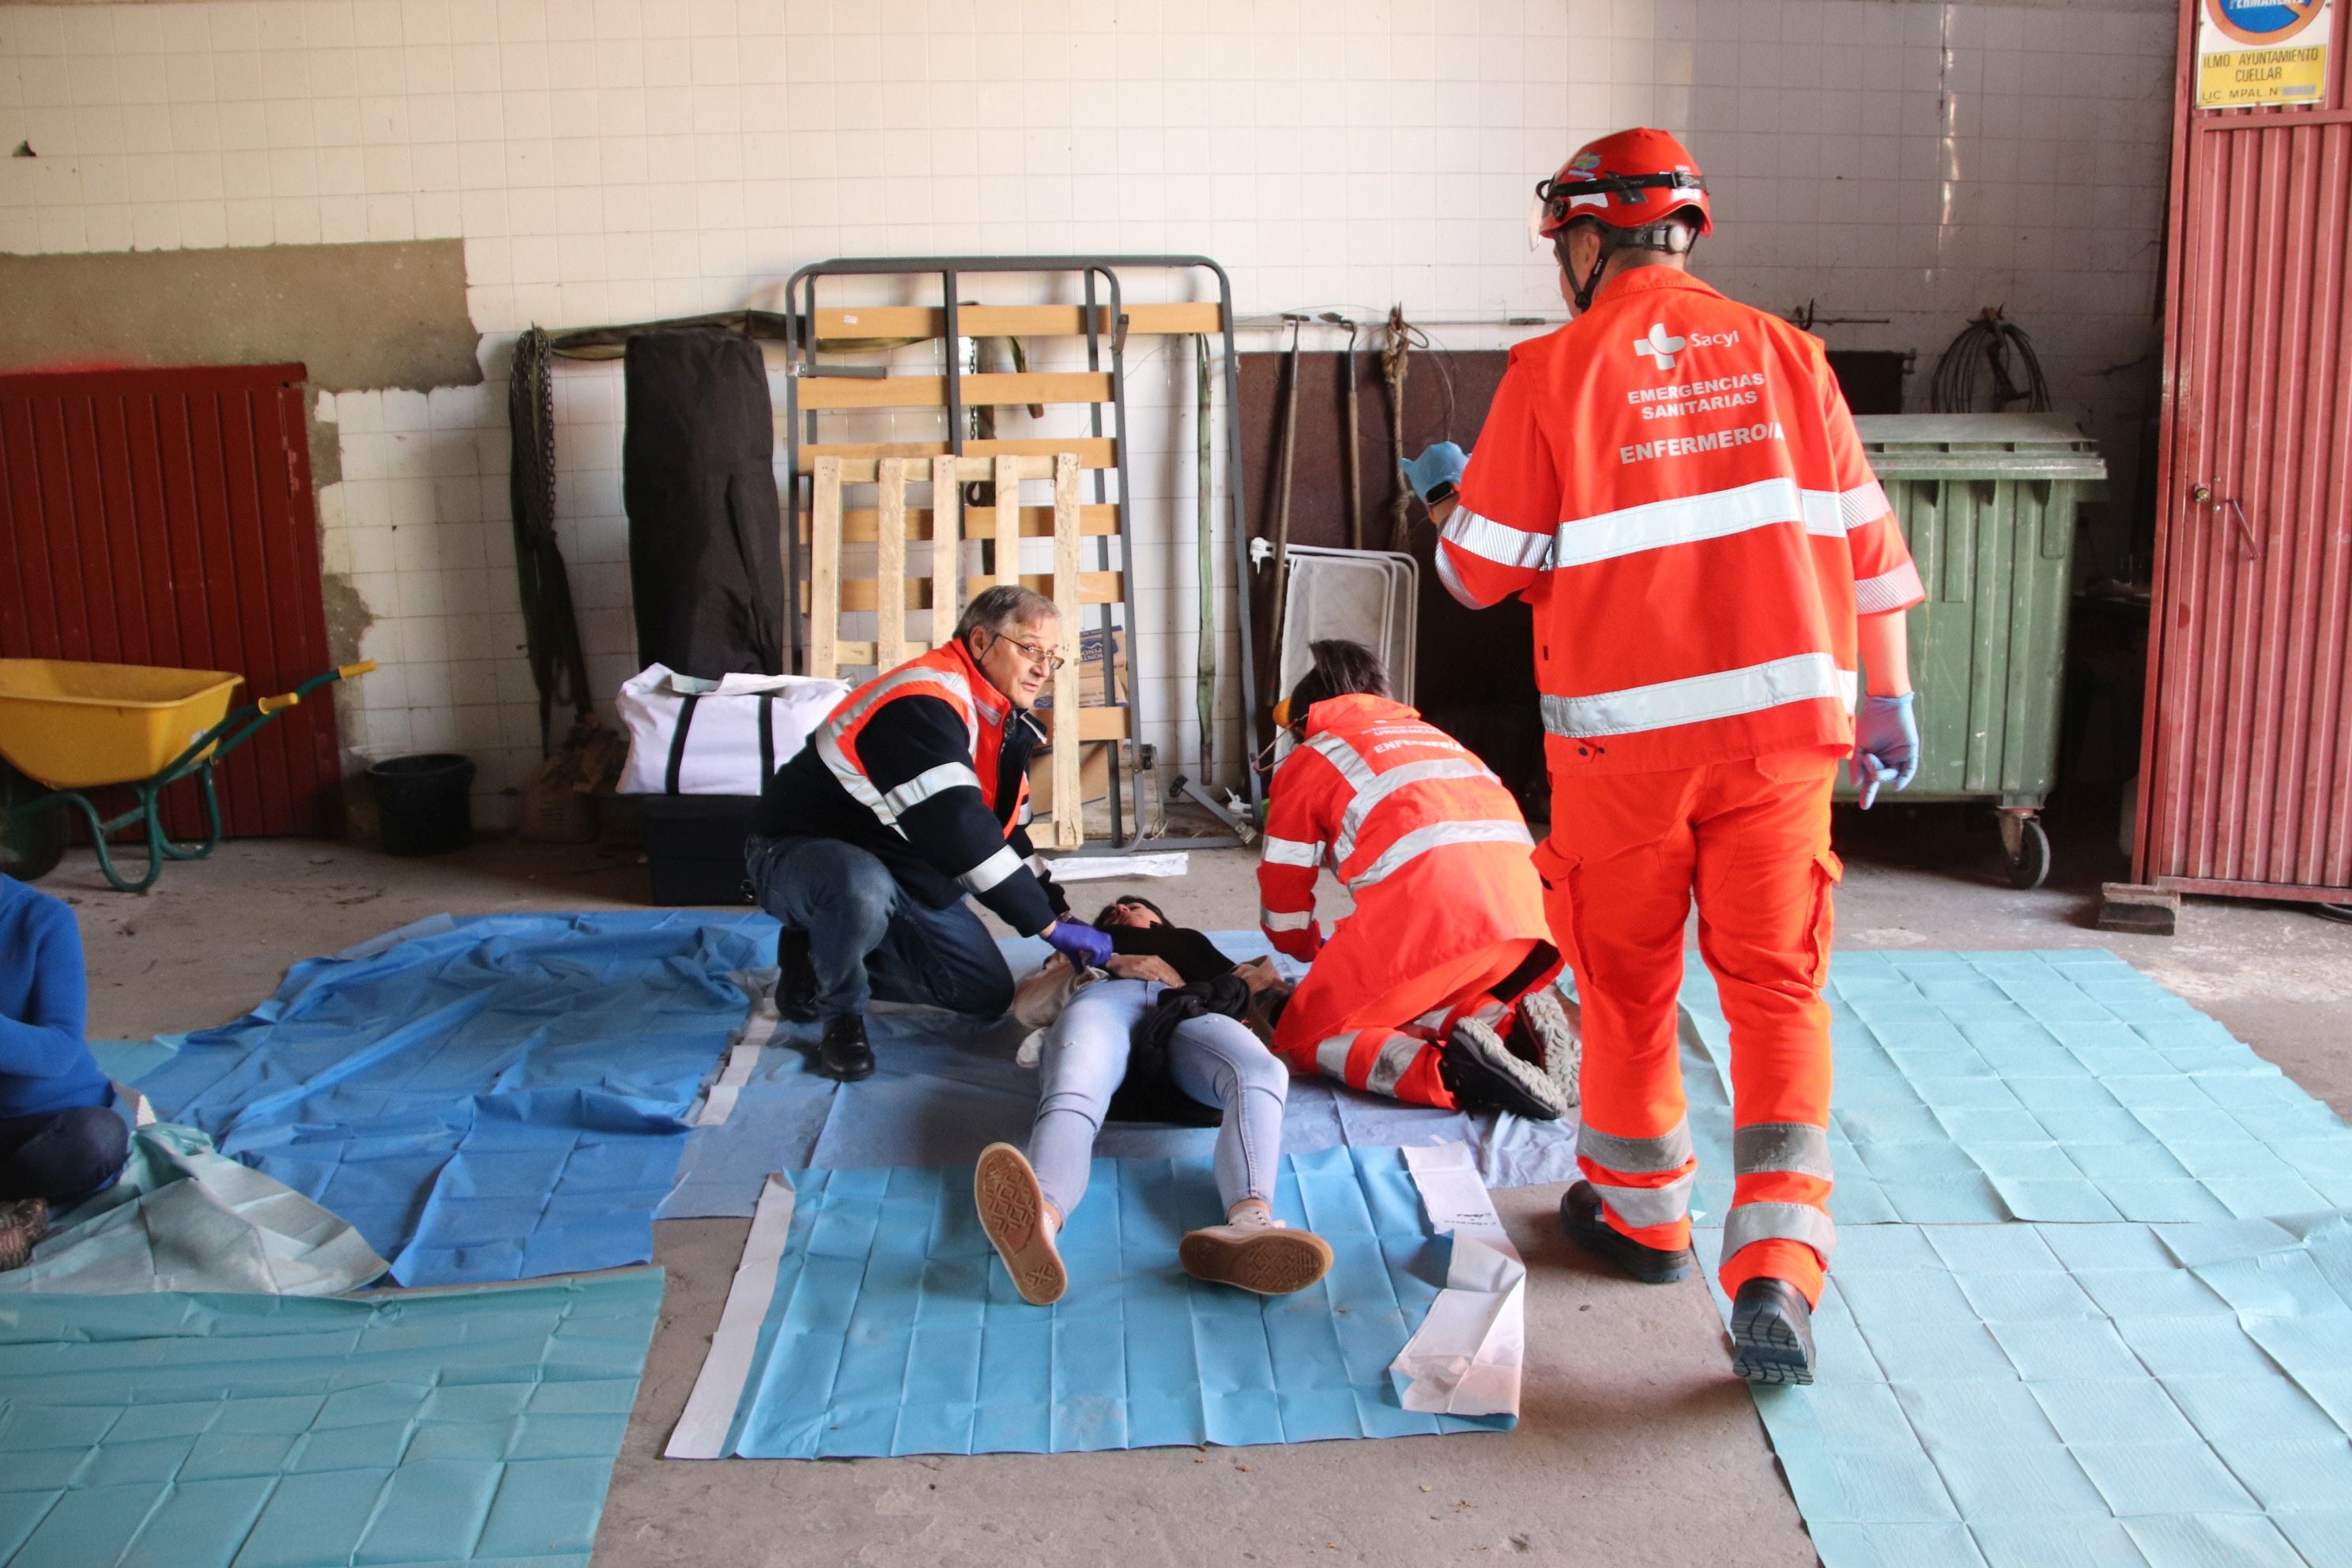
(1674, 239)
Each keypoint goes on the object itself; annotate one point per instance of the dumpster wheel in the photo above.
(2024, 849)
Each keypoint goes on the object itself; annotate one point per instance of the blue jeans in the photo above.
(1215, 1060)
(63, 1155)
(869, 940)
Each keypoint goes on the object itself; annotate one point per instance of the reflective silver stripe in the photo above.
(1334, 749)
(1863, 505)
(1496, 542)
(991, 871)
(1454, 584)
(1438, 836)
(1750, 1223)
(1273, 922)
(845, 771)
(1386, 785)
(1699, 697)
(1036, 863)
(1649, 1206)
(1292, 852)
(1797, 1147)
(892, 684)
(1397, 1054)
(1669, 1151)
(1888, 590)
(1331, 1055)
(929, 783)
(1690, 520)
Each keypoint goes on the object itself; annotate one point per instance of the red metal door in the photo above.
(163, 517)
(2246, 782)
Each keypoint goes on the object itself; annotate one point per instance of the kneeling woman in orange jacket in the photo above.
(1437, 990)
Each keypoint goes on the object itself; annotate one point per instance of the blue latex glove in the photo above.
(1080, 943)
(1443, 464)
(1885, 744)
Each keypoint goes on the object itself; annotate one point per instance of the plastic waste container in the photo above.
(1988, 502)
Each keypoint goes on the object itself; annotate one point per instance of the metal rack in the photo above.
(1104, 320)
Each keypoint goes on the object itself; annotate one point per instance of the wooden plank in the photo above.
(920, 321)
(1102, 723)
(858, 523)
(824, 571)
(970, 469)
(890, 565)
(1093, 587)
(1094, 451)
(1069, 808)
(1008, 523)
(947, 548)
(988, 390)
(861, 596)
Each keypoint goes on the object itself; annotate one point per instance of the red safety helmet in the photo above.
(1630, 180)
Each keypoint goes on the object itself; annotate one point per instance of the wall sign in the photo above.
(2252, 52)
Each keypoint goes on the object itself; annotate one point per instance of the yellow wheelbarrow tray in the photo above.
(68, 726)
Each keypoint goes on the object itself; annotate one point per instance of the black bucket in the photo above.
(425, 804)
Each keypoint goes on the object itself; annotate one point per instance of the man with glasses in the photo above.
(911, 795)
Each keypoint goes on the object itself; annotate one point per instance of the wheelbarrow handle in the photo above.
(269, 705)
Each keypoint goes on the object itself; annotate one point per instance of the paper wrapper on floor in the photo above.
(1465, 1358)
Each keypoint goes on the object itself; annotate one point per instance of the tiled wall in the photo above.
(618, 160)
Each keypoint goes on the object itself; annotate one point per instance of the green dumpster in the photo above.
(1988, 502)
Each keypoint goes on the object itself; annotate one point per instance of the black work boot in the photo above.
(1480, 1069)
(1543, 1033)
(795, 978)
(843, 1053)
(1771, 1334)
(1580, 1220)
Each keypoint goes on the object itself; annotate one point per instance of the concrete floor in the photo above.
(1635, 1448)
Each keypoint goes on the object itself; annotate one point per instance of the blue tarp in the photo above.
(894, 1331)
(489, 1098)
(214, 1431)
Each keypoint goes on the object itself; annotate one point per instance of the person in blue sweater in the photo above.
(60, 1136)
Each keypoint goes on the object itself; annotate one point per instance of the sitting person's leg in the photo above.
(1218, 1061)
(1428, 1040)
(840, 900)
(941, 958)
(1024, 1199)
(63, 1156)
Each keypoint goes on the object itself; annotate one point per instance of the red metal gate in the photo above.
(2246, 782)
(163, 517)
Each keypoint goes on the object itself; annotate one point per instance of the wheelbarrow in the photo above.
(67, 727)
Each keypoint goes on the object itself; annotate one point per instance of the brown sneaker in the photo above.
(23, 1223)
(1013, 1212)
(1268, 1259)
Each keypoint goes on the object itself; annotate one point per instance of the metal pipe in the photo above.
(1355, 471)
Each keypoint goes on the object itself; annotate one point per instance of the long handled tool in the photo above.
(1286, 465)
(1355, 469)
(1396, 348)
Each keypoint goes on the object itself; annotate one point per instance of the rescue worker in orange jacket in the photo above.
(913, 794)
(1673, 481)
(1437, 989)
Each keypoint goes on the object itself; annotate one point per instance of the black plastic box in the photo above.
(694, 846)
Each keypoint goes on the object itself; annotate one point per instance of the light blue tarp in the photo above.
(893, 1329)
(2092, 1301)
(490, 1099)
(213, 1431)
(946, 1087)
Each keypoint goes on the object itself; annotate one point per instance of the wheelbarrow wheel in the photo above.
(32, 839)
(2025, 850)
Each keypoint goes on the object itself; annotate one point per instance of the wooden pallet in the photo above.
(929, 583)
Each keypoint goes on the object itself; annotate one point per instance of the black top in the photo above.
(945, 835)
(1189, 952)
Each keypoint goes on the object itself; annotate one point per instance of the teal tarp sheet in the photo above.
(208, 1431)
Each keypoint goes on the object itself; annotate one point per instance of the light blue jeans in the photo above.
(1215, 1060)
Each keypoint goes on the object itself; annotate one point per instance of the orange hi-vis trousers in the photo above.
(1392, 1044)
(1627, 852)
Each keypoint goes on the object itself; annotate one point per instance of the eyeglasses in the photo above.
(1051, 661)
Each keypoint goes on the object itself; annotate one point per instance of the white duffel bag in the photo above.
(691, 736)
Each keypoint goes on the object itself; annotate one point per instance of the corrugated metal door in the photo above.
(2246, 785)
(163, 517)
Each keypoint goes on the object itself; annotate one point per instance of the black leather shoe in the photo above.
(1480, 1069)
(1582, 1222)
(1771, 1334)
(795, 978)
(843, 1053)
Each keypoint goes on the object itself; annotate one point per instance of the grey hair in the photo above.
(1006, 604)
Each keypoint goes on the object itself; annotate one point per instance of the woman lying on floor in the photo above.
(1149, 1042)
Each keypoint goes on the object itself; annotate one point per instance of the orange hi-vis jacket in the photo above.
(1673, 481)
(1429, 842)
